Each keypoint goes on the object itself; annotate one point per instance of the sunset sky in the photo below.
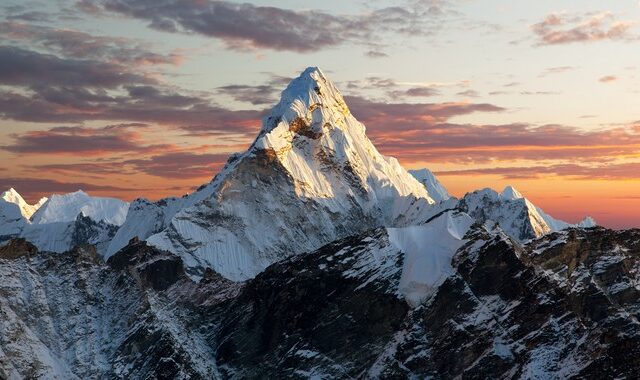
(131, 98)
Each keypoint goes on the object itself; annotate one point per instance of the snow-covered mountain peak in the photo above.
(587, 222)
(67, 207)
(308, 92)
(12, 196)
(516, 215)
(310, 107)
(311, 176)
(435, 189)
(511, 193)
(314, 137)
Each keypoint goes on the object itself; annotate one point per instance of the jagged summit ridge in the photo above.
(305, 94)
(511, 193)
(514, 213)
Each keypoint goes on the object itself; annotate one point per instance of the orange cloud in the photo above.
(608, 78)
(561, 28)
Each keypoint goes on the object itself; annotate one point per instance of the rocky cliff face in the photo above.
(72, 316)
(565, 305)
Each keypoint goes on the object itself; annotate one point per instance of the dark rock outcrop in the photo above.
(16, 248)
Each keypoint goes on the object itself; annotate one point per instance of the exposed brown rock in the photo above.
(17, 248)
(301, 127)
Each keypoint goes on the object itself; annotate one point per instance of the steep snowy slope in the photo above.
(146, 218)
(515, 214)
(67, 207)
(11, 220)
(63, 236)
(14, 213)
(435, 189)
(26, 209)
(311, 176)
(428, 250)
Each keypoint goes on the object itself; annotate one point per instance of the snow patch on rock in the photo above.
(428, 250)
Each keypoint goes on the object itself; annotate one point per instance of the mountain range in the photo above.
(312, 255)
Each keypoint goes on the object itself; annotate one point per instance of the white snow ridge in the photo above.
(65, 208)
(60, 222)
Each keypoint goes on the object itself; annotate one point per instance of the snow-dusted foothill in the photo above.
(513, 213)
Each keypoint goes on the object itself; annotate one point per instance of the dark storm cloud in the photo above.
(244, 26)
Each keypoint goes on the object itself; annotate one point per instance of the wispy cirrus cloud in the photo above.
(178, 164)
(182, 165)
(82, 45)
(379, 116)
(563, 28)
(34, 188)
(556, 70)
(424, 132)
(261, 94)
(93, 83)
(394, 89)
(244, 26)
(49, 89)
